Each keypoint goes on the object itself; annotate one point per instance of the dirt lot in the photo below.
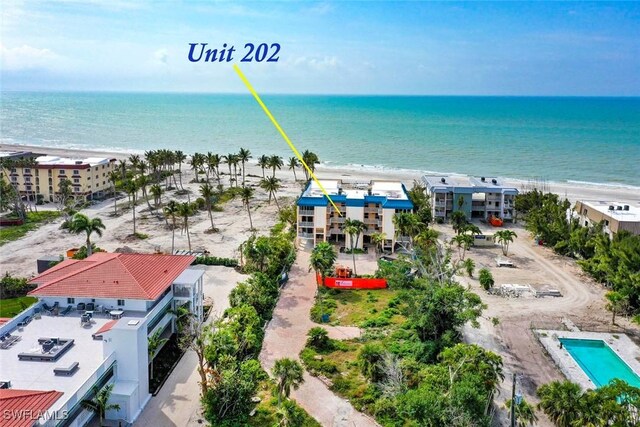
(582, 303)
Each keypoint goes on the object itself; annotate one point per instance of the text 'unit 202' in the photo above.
(263, 52)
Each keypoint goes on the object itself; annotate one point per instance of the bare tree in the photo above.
(194, 336)
(393, 383)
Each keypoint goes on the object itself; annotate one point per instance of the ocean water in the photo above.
(593, 140)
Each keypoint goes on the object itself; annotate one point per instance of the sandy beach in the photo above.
(233, 222)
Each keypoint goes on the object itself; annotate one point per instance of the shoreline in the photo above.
(571, 189)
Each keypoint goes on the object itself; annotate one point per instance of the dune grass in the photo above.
(33, 221)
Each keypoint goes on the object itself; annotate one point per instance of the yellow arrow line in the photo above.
(284, 135)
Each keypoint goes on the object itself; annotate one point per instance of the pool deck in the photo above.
(626, 349)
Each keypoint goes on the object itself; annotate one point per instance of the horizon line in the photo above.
(390, 94)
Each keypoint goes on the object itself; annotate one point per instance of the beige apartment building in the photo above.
(375, 203)
(615, 216)
(89, 177)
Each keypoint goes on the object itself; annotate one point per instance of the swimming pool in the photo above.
(599, 361)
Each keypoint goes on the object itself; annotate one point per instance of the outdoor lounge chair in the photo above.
(46, 307)
(81, 306)
(66, 310)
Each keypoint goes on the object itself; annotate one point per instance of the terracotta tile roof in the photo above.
(4, 320)
(112, 275)
(106, 327)
(24, 407)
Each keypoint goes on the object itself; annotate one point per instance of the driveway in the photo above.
(286, 336)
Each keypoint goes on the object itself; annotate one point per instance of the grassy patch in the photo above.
(13, 306)
(357, 308)
(267, 409)
(33, 221)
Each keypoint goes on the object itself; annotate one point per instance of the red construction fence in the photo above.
(352, 282)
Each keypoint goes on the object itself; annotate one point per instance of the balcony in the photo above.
(182, 292)
(306, 235)
(305, 223)
(337, 220)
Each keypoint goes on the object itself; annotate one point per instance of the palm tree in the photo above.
(246, 194)
(560, 401)
(353, 228)
(180, 157)
(310, 159)
(322, 259)
(143, 180)
(469, 265)
(464, 242)
(427, 237)
(131, 187)
(156, 192)
(275, 162)
(263, 162)
(230, 160)
(293, 164)
(154, 342)
(122, 165)
(458, 221)
(378, 239)
(288, 374)
(185, 210)
(213, 163)
(525, 413)
(171, 210)
(100, 403)
(243, 155)
(114, 177)
(472, 229)
(407, 224)
(207, 192)
(271, 185)
(196, 163)
(82, 224)
(504, 238)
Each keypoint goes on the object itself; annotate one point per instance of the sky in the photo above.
(407, 48)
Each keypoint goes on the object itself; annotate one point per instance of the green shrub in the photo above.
(318, 338)
(314, 366)
(486, 279)
(14, 287)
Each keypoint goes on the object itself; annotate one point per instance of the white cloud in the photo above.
(27, 57)
(317, 63)
(161, 55)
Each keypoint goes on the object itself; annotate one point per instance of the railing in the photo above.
(306, 235)
(371, 210)
(337, 220)
(306, 209)
(305, 224)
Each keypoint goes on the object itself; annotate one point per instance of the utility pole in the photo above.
(513, 401)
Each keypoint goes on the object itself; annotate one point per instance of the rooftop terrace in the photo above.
(618, 212)
(357, 189)
(38, 375)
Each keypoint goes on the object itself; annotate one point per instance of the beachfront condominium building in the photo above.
(90, 328)
(477, 198)
(614, 216)
(39, 177)
(375, 203)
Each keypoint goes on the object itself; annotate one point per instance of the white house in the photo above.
(90, 328)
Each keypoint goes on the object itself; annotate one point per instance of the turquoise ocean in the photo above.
(582, 140)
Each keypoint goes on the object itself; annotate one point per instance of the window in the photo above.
(584, 212)
(76, 172)
(28, 188)
(27, 179)
(120, 302)
(14, 178)
(13, 170)
(49, 172)
(93, 300)
(606, 222)
(62, 172)
(37, 180)
(38, 188)
(71, 300)
(76, 180)
(27, 170)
